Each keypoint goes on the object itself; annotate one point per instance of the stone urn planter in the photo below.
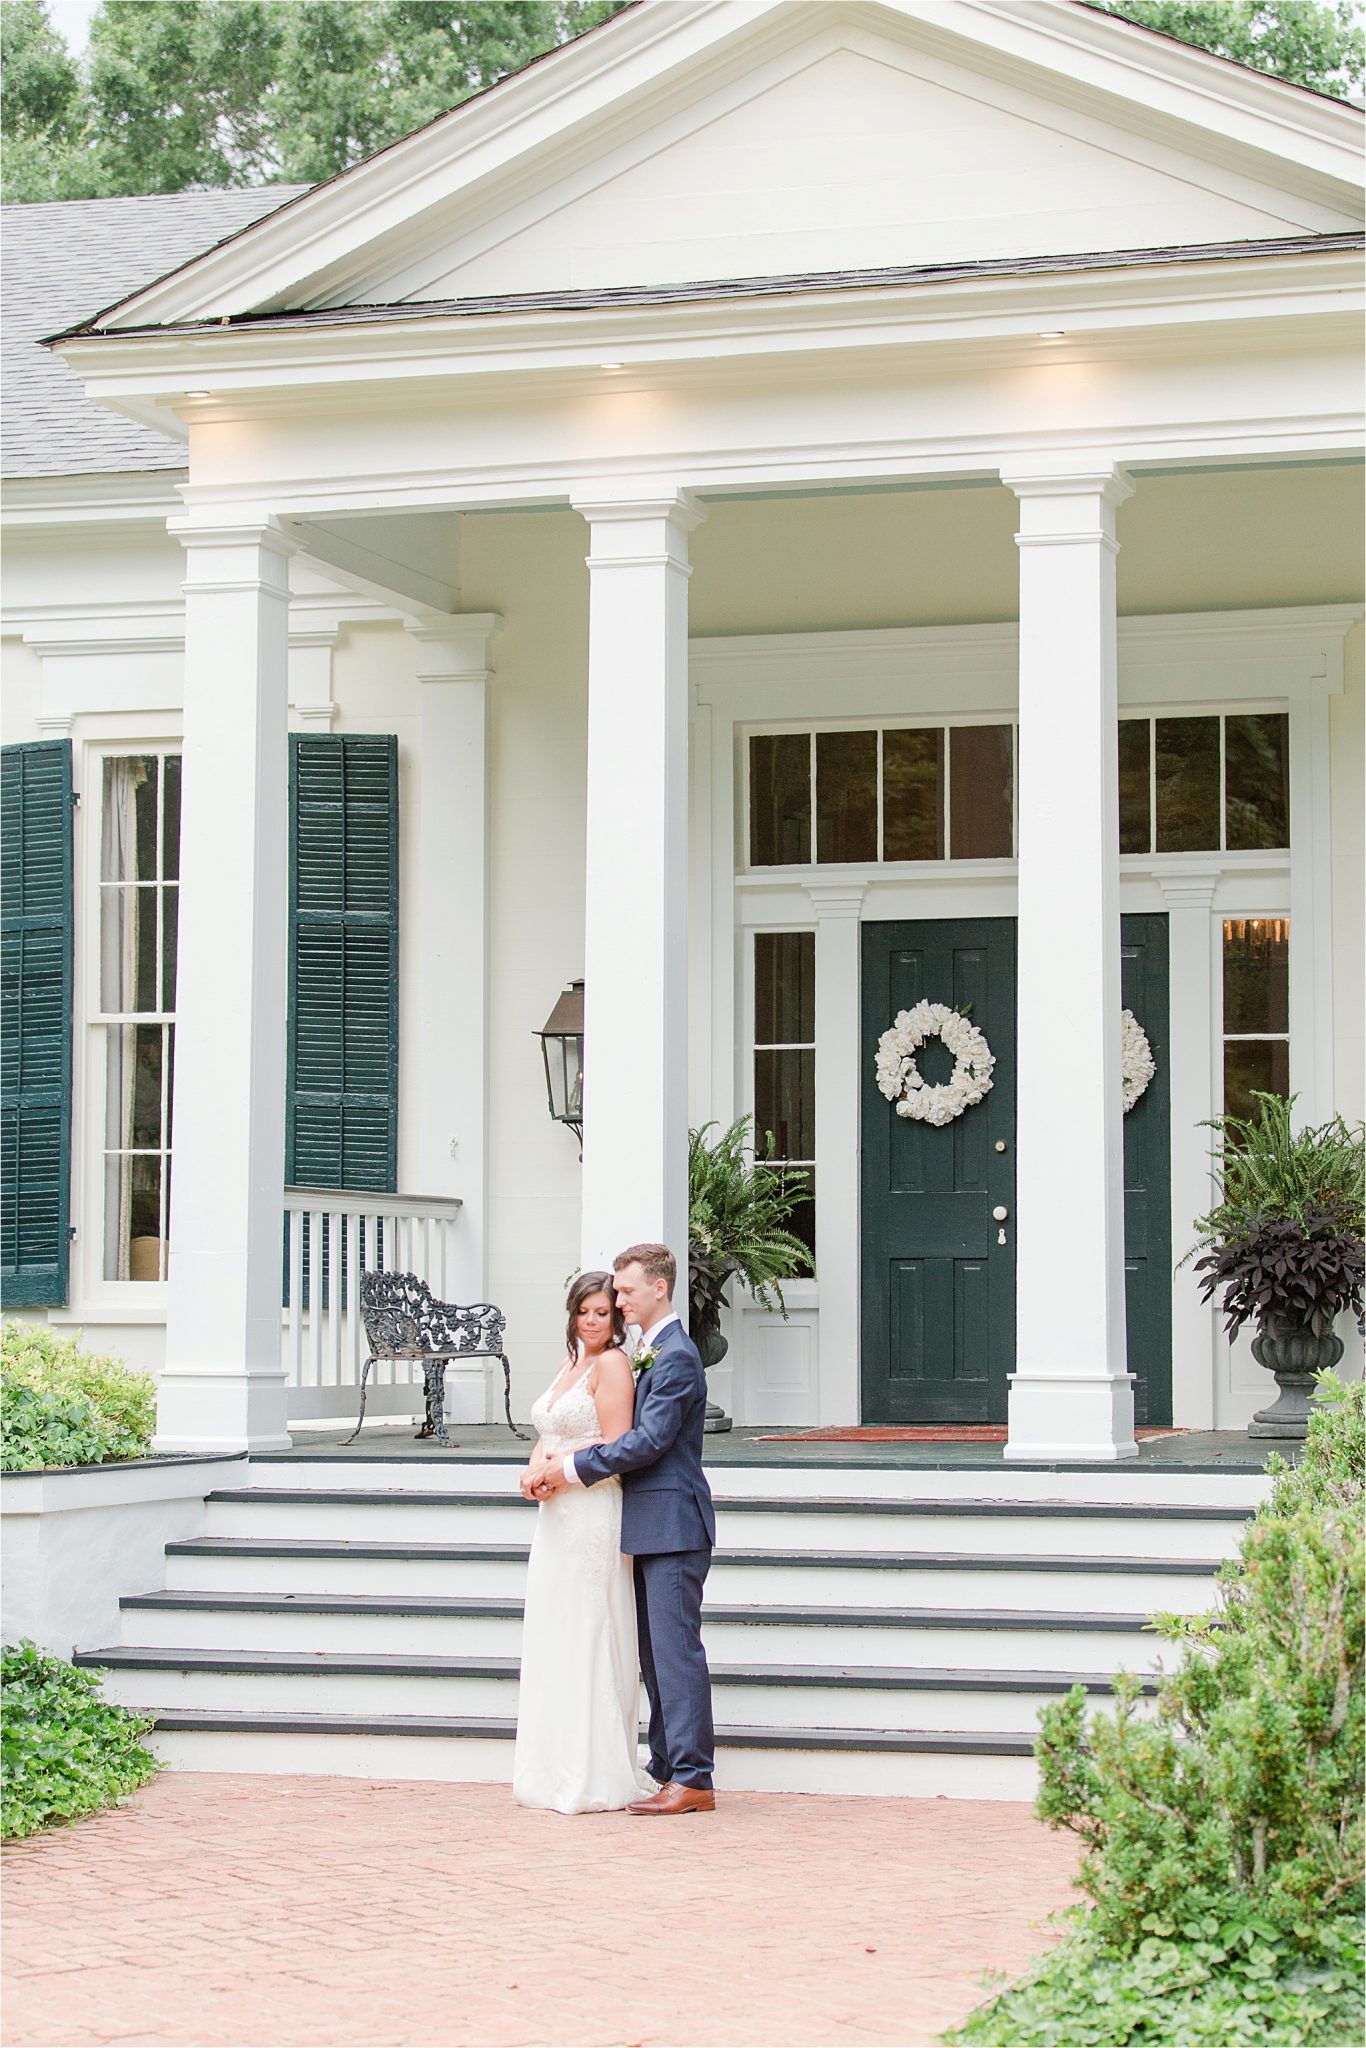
(711, 1349)
(1294, 1354)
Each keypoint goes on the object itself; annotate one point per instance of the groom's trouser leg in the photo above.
(673, 1604)
(659, 1748)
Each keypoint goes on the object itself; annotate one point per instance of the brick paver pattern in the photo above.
(272, 1912)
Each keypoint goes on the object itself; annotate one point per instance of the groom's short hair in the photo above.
(655, 1261)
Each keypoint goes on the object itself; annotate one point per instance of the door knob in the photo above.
(999, 1214)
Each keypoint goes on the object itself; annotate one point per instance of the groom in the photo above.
(667, 1526)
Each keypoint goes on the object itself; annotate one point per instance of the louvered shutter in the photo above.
(35, 1023)
(342, 1109)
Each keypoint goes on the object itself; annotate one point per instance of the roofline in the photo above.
(1165, 35)
(792, 285)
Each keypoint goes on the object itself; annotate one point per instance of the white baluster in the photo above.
(294, 1315)
(312, 1367)
(336, 1296)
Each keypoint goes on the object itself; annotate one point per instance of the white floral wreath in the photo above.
(900, 1079)
(1136, 1060)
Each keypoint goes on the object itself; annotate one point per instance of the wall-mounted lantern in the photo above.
(561, 1039)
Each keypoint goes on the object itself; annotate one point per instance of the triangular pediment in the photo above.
(696, 140)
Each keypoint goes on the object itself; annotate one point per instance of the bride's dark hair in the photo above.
(586, 1284)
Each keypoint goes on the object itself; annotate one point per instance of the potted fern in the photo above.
(1282, 1246)
(739, 1202)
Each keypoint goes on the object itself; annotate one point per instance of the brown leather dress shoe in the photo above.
(675, 1799)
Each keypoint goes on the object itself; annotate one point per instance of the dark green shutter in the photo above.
(342, 1105)
(35, 1023)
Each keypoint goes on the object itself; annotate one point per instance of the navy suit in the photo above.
(668, 1527)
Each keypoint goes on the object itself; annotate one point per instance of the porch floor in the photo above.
(1194, 1450)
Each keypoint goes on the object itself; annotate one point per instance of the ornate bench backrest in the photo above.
(404, 1320)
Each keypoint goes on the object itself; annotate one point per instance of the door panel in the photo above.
(938, 1289)
(1147, 1178)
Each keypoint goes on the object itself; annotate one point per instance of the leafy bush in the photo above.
(65, 1750)
(1223, 1850)
(738, 1207)
(60, 1405)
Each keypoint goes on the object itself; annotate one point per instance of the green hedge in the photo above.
(1222, 1837)
(60, 1405)
(65, 1749)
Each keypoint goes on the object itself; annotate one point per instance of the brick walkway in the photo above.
(317, 1912)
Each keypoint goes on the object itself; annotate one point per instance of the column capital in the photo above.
(640, 532)
(1105, 480)
(222, 529)
(453, 647)
(836, 899)
(1187, 888)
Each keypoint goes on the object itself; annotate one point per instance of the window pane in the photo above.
(1256, 974)
(981, 792)
(170, 926)
(1187, 777)
(128, 949)
(170, 818)
(1135, 826)
(780, 799)
(913, 794)
(846, 796)
(144, 1110)
(133, 1247)
(802, 1221)
(1257, 780)
(128, 824)
(784, 988)
(1262, 1064)
(785, 1102)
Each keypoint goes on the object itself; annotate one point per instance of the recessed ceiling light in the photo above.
(199, 394)
(613, 366)
(1052, 334)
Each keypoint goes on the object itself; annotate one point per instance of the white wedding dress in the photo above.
(578, 1707)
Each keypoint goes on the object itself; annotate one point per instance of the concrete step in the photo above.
(943, 1637)
(755, 1697)
(874, 1578)
(469, 1749)
(469, 1516)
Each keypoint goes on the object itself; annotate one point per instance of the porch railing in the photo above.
(332, 1236)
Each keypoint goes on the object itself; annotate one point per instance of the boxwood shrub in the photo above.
(1222, 1837)
(60, 1405)
(65, 1749)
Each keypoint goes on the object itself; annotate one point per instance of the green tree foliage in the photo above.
(66, 1750)
(1316, 43)
(1222, 1837)
(175, 94)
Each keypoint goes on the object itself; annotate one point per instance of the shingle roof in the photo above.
(63, 262)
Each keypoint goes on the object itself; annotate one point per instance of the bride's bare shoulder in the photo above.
(615, 1363)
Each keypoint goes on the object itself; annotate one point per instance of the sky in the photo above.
(71, 19)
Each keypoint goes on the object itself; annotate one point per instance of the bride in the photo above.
(578, 1705)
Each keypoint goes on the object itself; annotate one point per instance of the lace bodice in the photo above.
(568, 1422)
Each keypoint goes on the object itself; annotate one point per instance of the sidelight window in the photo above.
(785, 1060)
(1256, 1011)
(138, 925)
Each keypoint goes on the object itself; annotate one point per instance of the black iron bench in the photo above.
(404, 1322)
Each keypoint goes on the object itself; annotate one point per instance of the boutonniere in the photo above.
(642, 1361)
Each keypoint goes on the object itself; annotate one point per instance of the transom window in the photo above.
(1204, 785)
(139, 921)
(1256, 1011)
(785, 1061)
(887, 793)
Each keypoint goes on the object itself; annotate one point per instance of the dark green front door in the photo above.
(1147, 1177)
(938, 1285)
(938, 1288)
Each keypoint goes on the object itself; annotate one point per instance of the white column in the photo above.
(1071, 1395)
(1189, 898)
(224, 1384)
(452, 935)
(838, 1078)
(635, 1110)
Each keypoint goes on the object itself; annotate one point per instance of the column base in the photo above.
(1059, 1419)
(228, 1411)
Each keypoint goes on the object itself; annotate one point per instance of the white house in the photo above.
(779, 510)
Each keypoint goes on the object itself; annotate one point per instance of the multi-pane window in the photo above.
(785, 1060)
(895, 793)
(1204, 785)
(1256, 1010)
(139, 910)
